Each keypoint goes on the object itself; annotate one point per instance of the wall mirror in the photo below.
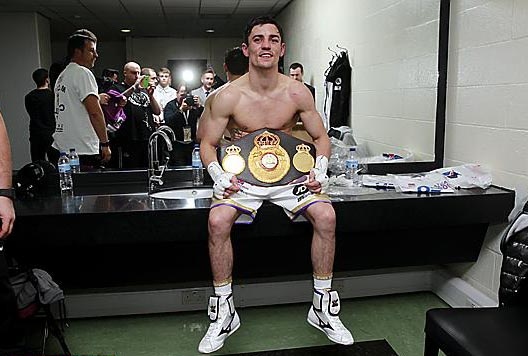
(398, 52)
(369, 30)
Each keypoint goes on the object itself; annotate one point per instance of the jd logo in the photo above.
(300, 189)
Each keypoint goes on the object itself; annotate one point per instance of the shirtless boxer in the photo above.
(264, 98)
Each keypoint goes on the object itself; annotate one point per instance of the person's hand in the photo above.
(184, 106)
(104, 98)
(122, 101)
(225, 183)
(318, 180)
(106, 154)
(150, 89)
(7, 216)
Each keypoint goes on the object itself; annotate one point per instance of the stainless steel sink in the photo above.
(188, 193)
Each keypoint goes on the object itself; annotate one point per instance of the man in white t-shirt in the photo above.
(163, 92)
(80, 121)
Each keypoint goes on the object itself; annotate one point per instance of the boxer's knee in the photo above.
(323, 217)
(221, 219)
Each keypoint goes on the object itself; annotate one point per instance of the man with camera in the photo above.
(182, 114)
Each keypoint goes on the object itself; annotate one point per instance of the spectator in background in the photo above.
(297, 72)
(79, 118)
(181, 115)
(40, 107)
(132, 137)
(207, 80)
(109, 77)
(163, 92)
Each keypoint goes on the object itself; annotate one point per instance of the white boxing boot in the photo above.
(224, 322)
(323, 315)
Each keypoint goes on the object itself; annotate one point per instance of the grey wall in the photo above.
(24, 39)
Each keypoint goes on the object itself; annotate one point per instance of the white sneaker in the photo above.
(224, 322)
(323, 315)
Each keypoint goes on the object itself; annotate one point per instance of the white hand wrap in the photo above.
(321, 166)
(221, 178)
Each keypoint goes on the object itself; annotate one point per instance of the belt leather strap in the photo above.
(267, 157)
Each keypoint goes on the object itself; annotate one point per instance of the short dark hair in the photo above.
(235, 61)
(258, 21)
(78, 39)
(297, 65)
(39, 76)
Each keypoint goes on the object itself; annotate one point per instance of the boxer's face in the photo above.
(265, 46)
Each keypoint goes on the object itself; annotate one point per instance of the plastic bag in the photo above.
(466, 176)
(113, 113)
(424, 183)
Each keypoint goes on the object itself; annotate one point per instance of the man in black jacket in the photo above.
(297, 72)
(40, 107)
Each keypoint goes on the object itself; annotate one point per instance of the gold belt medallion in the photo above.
(303, 160)
(268, 161)
(233, 162)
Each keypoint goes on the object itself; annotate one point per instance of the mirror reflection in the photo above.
(393, 51)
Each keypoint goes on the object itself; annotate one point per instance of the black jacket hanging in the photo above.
(338, 87)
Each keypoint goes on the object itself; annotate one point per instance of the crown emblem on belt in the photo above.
(266, 140)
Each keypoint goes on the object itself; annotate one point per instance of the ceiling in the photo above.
(147, 18)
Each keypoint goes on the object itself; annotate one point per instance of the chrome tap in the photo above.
(156, 170)
(168, 131)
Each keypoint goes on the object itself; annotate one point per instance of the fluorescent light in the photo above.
(210, 30)
(125, 30)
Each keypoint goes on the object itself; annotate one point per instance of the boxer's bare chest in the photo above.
(274, 111)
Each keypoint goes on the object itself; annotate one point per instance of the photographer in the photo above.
(182, 114)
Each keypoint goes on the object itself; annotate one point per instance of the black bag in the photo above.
(514, 272)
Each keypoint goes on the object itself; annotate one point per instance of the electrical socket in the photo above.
(193, 297)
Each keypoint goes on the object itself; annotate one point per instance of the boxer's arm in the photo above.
(213, 123)
(313, 124)
(210, 132)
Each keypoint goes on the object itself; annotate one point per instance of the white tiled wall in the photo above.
(487, 120)
(487, 110)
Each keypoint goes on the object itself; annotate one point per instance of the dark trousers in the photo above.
(40, 149)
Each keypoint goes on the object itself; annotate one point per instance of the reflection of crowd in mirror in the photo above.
(130, 142)
(142, 108)
(181, 115)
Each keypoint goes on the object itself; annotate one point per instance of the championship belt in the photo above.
(267, 157)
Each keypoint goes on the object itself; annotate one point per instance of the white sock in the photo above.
(322, 284)
(223, 291)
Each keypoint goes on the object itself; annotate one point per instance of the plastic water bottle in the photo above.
(65, 174)
(352, 167)
(197, 167)
(74, 161)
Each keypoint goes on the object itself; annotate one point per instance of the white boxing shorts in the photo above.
(294, 198)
